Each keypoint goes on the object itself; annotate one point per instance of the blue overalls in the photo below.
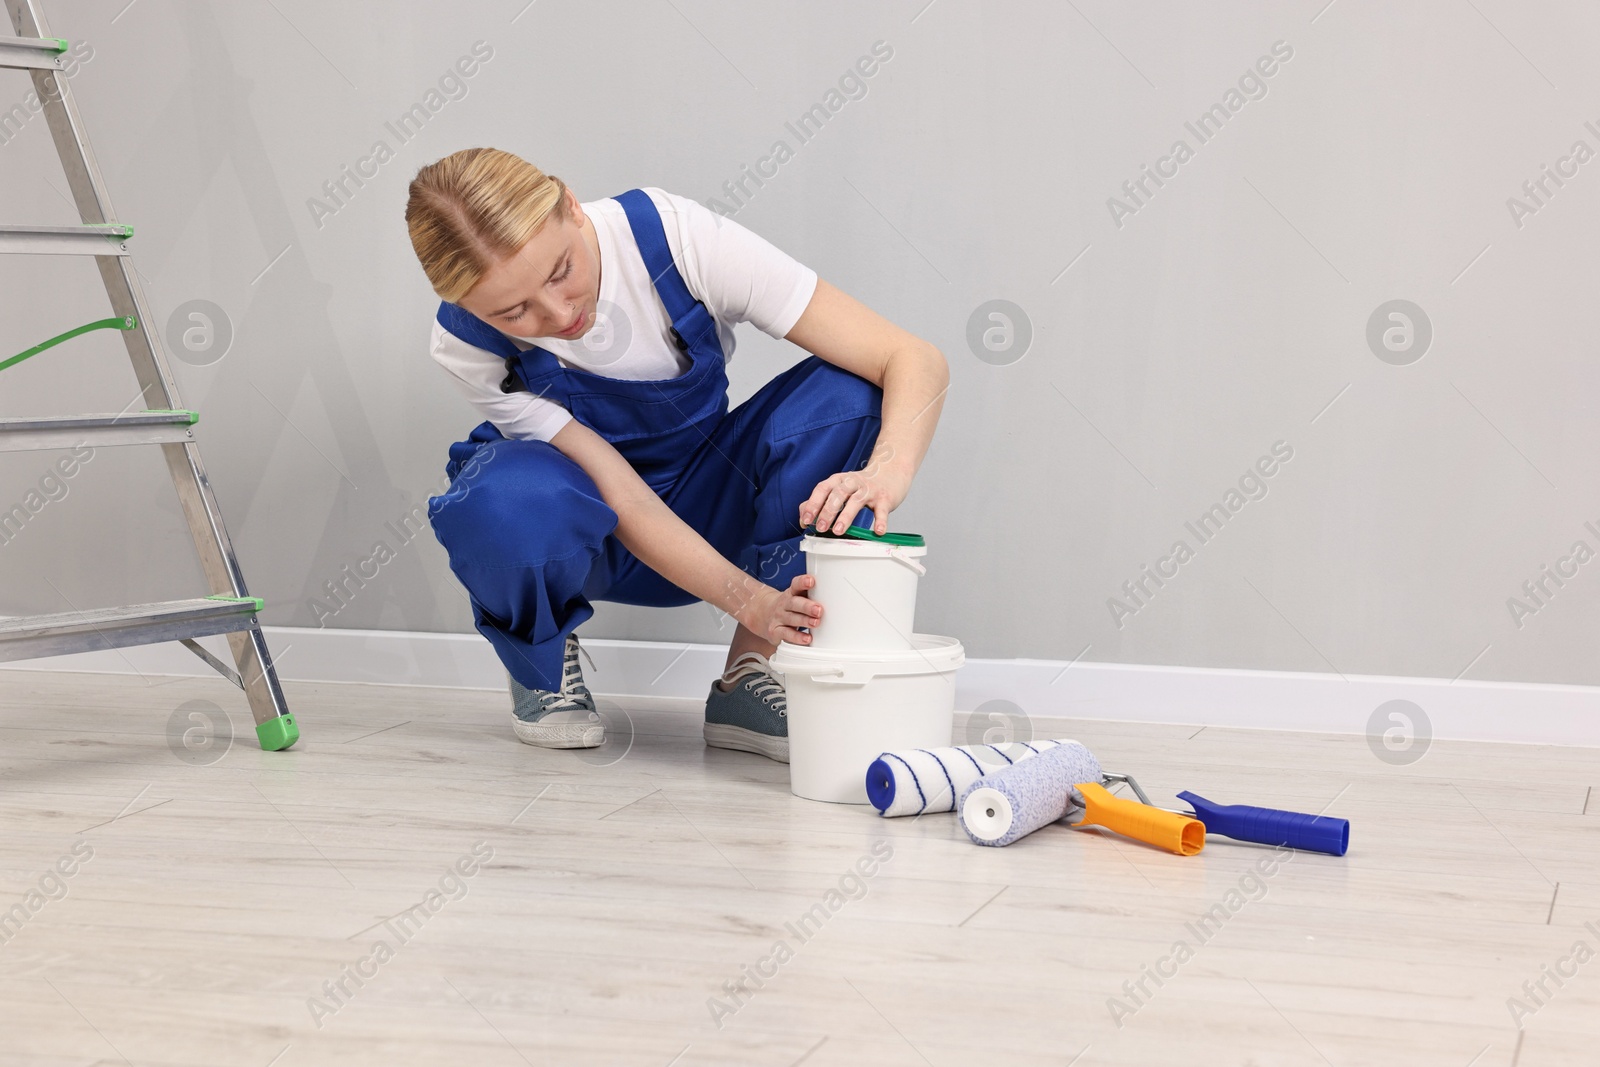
(526, 529)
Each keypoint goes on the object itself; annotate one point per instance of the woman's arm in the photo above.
(670, 547)
(914, 377)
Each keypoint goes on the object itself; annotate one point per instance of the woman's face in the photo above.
(547, 289)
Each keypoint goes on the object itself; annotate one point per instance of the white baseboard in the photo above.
(1276, 700)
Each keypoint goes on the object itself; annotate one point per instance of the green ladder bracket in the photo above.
(278, 733)
(121, 322)
(257, 601)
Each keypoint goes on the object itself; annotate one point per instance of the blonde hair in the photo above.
(475, 207)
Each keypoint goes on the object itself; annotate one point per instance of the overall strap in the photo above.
(473, 330)
(519, 363)
(690, 319)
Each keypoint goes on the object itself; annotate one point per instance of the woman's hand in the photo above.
(777, 614)
(882, 486)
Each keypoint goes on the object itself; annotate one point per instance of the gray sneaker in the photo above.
(564, 719)
(752, 715)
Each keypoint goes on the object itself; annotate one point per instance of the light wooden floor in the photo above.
(620, 898)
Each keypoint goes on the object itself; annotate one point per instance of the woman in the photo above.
(613, 470)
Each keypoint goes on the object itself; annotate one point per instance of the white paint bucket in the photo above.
(868, 593)
(848, 708)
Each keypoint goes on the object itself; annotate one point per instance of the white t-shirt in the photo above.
(738, 275)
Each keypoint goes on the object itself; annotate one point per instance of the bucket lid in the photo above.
(864, 533)
(928, 654)
(849, 546)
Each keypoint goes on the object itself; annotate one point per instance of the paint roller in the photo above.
(1019, 799)
(1064, 784)
(917, 781)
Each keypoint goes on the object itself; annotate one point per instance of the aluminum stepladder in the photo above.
(230, 609)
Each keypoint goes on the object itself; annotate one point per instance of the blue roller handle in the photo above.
(1269, 826)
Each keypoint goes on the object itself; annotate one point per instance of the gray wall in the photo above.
(1227, 312)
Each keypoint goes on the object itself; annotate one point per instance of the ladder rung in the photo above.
(32, 53)
(69, 431)
(32, 636)
(101, 239)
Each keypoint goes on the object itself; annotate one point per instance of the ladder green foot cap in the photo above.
(194, 416)
(278, 734)
(61, 43)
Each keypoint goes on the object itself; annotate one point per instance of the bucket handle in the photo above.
(908, 561)
(837, 676)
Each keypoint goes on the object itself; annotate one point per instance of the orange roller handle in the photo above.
(1154, 826)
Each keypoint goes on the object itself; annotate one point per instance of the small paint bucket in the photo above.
(867, 586)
